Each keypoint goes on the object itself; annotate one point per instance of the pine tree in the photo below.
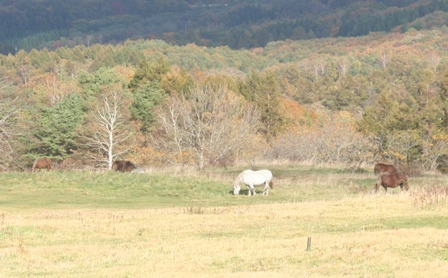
(145, 98)
(264, 90)
(58, 125)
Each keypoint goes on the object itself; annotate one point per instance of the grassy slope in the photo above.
(138, 225)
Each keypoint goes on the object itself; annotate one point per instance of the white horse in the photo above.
(253, 178)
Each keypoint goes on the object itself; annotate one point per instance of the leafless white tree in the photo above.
(109, 133)
(317, 67)
(211, 122)
(343, 66)
(10, 106)
(434, 60)
(384, 59)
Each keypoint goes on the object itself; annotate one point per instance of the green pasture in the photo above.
(188, 224)
(65, 189)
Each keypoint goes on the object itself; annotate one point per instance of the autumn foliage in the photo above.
(349, 101)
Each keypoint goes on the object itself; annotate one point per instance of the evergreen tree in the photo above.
(93, 83)
(149, 71)
(264, 90)
(145, 98)
(58, 125)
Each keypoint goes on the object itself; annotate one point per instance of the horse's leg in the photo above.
(375, 188)
(402, 183)
(266, 188)
(377, 184)
(252, 189)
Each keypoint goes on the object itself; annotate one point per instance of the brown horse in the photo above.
(392, 180)
(41, 163)
(123, 166)
(382, 168)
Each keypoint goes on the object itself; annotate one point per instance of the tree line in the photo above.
(346, 101)
(236, 24)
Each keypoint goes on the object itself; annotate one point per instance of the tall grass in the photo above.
(67, 224)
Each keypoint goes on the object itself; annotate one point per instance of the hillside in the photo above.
(330, 100)
(237, 24)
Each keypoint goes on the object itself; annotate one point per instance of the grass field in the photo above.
(188, 224)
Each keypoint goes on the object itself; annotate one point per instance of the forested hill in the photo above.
(27, 24)
(331, 100)
(327, 94)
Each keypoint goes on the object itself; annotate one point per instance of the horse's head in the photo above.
(236, 188)
(404, 181)
(236, 184)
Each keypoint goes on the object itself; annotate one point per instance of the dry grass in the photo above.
(164, 234)
(360, 236)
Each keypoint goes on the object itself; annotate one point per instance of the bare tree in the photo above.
(110, 134)
(10, 107)
(433, 151)
(211, 123)
(434, 60)
(401, 144)
(336, 141)
(343, 66)
(55, 90)
(384, 59)
(317, 67)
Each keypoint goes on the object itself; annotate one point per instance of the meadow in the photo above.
(185, 223)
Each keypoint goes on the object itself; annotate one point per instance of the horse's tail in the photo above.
(271, 184)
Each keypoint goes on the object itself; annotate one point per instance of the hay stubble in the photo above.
(98, 235)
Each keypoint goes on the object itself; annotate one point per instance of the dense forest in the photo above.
(50, 24)
(333, 100)
(350, 100)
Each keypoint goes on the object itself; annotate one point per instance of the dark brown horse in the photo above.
(382, 169)
(41, 163)
(392, 180)
(123, 166)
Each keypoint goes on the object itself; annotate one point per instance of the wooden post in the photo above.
(308, 244)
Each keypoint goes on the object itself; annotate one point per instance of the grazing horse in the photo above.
(123, 166)
(392, 180)
(381, 168)
(41, 163)
(253, 178)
